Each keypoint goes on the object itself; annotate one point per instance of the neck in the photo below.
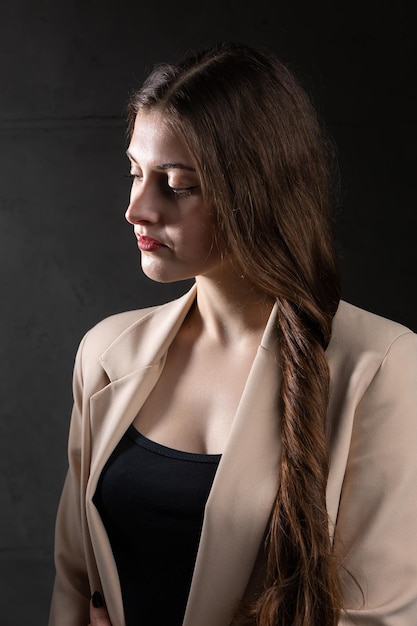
(232, 310)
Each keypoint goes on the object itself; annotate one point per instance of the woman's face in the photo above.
(171, 223)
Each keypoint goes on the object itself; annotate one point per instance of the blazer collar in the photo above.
(146, 341)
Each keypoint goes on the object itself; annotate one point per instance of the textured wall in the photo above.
(67, 258)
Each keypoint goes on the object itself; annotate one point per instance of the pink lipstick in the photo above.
(148, 244)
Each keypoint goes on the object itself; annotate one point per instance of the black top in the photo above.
(151, 499)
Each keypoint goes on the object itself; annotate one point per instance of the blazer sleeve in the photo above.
(376, 529)
(71, 593)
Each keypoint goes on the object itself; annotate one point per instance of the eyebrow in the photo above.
(175, 166)
(168, 166)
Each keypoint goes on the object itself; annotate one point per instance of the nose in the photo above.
(142, 205)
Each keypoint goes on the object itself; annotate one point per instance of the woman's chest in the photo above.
(195, 399)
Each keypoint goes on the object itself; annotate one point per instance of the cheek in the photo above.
(202, 228)
(192, 234)
(201, 241)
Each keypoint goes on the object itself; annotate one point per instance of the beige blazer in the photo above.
(372, 487)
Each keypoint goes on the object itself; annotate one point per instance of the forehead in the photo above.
(154, 141)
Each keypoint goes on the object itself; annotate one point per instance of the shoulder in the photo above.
(111, 327)
(100, 336)
(130, 327)
(357, 332)
(363, 345)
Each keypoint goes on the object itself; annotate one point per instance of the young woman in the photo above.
(244, 454)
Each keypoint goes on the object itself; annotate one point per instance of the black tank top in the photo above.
(151, 499)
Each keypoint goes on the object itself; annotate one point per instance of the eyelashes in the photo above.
(183, 191)
(176, 191)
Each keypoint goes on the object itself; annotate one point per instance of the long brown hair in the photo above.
(267, 176)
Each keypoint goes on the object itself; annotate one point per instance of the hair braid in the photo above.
(299, 540)
(302, 585)
(266, 169)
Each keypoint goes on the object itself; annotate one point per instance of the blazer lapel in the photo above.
(133, 364)
(242, 495)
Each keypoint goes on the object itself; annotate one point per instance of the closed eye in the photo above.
(183, 191)
(176, 191)
(133, 176)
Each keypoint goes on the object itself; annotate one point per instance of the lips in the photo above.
(148, 244)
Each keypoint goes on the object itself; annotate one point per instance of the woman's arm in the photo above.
(71, 593)
(376, 529)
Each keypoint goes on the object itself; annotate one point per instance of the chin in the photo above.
(165, 277)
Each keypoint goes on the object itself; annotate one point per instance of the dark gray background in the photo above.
(67, 256)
